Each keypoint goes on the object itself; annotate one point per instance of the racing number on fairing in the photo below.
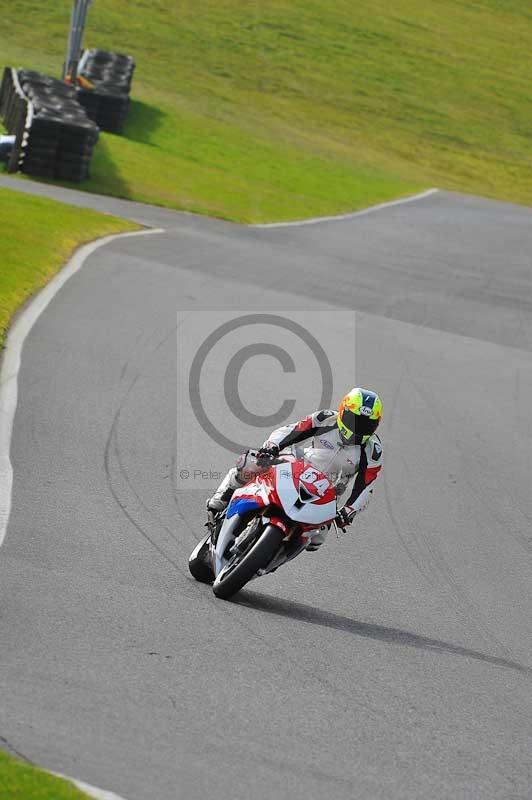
(311, 476)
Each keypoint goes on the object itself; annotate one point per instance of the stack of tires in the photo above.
(13, 103)
(109, 77)
(54, 136)
(62, 137)
(16, 113)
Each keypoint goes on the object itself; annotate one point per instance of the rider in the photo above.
(342, 443)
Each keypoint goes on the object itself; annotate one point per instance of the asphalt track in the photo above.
(396, 662)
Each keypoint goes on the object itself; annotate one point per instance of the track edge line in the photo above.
(86, 788)
(10, 366)
(349, 215)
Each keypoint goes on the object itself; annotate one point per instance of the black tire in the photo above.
(38, 161)
(73, 160)
(199, 562)
(43, 153)
(232, 579)
(38, 172)
(71, 177)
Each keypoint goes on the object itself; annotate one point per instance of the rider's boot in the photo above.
(220, 499)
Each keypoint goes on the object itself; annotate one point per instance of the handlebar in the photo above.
(270, 461)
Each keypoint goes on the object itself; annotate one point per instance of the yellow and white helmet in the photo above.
(359, 415)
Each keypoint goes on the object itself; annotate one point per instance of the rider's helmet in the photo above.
(359, 415)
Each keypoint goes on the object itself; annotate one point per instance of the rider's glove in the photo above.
(267, 453)
(345, 517)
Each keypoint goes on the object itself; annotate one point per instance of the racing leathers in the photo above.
(316, 439)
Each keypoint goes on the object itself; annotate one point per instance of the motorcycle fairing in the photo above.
(241, 504)
(225, 537)
(319, 507)
(284, 485)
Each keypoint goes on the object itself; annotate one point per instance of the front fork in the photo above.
(292, 545)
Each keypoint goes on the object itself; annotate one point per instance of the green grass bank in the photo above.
(270, 111)
(38, 236)
(22, 781)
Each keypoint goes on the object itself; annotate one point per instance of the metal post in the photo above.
(69, 44)
(75, 38)
(71, 37)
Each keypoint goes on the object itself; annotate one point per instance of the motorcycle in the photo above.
(268, 522)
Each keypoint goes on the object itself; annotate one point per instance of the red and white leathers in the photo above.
(352, 468)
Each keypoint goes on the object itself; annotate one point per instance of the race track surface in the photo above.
(396, 662)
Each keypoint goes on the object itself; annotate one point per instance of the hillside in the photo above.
(291, 108)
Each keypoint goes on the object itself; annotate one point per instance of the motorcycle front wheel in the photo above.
(245, 565)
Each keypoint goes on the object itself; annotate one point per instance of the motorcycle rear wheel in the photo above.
(233, 577)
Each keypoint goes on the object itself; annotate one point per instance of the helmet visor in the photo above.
(355, 428)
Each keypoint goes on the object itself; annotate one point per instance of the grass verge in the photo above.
(38, 237)
(22, 781)
(292, 108)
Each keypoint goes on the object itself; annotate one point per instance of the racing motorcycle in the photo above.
(268, 522)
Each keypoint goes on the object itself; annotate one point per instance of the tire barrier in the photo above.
(106, 84)
(54, 137)
(17, 116)
(13, 102)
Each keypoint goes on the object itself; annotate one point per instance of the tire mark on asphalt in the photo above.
(121, 504)
(189, 524)
(434, 553)
(112, 446)
(427, 557)
(112, 440)
(124, 472)
(15, 751)
(412, 554)
(519, 538)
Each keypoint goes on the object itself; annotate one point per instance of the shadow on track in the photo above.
(326, 619)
